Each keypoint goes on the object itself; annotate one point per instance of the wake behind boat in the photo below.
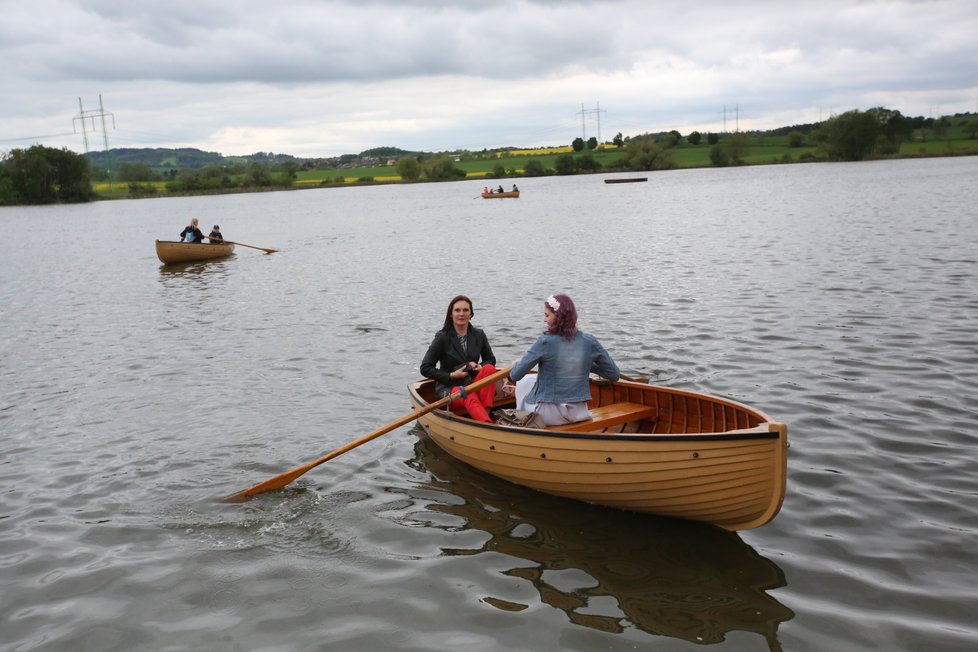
(188, 252)
(646, 449)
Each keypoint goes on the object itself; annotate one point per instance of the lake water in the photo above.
(840, 298)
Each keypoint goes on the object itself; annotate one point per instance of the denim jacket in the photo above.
(564, 367)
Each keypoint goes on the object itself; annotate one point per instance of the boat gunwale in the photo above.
(197, 244)
(751, 433)
(764, 430)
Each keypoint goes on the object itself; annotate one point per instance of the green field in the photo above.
(759, 150)
(958, 147)
(685, 156)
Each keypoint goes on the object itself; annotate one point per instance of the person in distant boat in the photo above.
(485, 190)
(515, 189)
(215, 235)
(191, 233)
(564, 357)
(462, 355)
(500, 189)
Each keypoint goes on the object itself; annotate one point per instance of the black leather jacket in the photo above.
(446, 352)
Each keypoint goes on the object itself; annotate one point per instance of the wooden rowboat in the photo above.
(187, 252)
(646, 449)
(627, 180)
(501, 195)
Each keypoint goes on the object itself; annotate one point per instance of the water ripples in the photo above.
(838, 298)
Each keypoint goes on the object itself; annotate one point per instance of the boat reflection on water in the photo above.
(198, 275)
(669, 577)
(197, 267)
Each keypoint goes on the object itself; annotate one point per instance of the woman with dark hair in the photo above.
(566, 357)
(463, 356)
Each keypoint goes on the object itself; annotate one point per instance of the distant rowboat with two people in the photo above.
(189, 252)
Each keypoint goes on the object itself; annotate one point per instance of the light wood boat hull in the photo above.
(699, 457)
(501, 195)
(184, 252)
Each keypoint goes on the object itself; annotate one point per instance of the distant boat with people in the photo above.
(190, 252)
(499, 193)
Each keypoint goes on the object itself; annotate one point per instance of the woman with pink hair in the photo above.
(565, 357)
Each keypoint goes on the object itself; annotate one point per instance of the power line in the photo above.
(84, 116)
(736, 118)
(13, 140)
(596, 111)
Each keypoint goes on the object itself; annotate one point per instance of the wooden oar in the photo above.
(634, 380)
(283, 479)
(267, 250)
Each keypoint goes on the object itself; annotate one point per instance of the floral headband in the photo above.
(553, 303)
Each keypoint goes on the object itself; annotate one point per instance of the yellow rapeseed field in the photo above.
(538, 152)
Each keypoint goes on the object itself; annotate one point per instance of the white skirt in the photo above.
(553, 414)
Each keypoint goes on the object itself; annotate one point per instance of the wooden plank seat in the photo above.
(608, 416)
(602, 418)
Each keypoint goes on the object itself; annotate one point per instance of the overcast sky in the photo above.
(323, 78)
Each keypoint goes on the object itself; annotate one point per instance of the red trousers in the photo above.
(477, 403)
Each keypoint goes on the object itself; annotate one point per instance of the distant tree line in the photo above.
(161, 159)
(143, 180)
(169, 161)
(44, 175)
(222, 179)
(856, 135)
(387, 152)
(432, 168)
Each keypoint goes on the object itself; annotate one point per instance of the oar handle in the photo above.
(282, 479)
(634, 380)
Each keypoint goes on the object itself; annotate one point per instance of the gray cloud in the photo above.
(323, 78)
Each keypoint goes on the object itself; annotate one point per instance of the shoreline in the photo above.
(485, 176)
